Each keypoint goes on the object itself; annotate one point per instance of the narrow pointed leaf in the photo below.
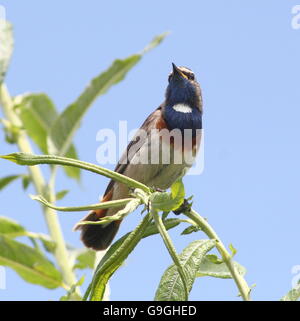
(13, 229)
(4, 181)
(71, 295)
(38, 115)
(233, 250)
(151, 229)
(190, 229)
(168, 223)
(25, 181)
(11, 131)
(10, 227)
(61, 194)
(46, 241)
(30, 264)
(72, 172)
(85, 260)
(114, 258)
(64, 129)
(6, 47)
(171, 287)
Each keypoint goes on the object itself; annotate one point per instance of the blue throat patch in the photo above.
(180, 120)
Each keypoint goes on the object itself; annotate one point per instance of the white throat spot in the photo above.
(182, 108)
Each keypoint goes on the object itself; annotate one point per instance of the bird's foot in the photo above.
(184, 207)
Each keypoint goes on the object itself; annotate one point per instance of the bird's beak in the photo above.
(178, 75)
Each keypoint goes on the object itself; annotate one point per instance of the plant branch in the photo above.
(38, 180)
(242, 285)
(30, 159)
(120, 215)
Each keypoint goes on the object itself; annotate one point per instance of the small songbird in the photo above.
(181, 112)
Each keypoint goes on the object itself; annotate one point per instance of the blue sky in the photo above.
(246, 57)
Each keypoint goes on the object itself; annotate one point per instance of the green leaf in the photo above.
(10, 227)
(113, 259)
(38, 115)
(214, 259)
(30, 264)
(178, 192)
(233, 250)
(26, 180)
(6, 47)
(13, 229)
(165, 215)
(11, 131)
(71, 295)
(151, 229)
(190, 229)
(85, 260)
(219, 270)
(165, 201)
(168, 223)
(68, 122)
(60, 195)
(48, 244)
(72, 172)
(171, 286)
(8, 179)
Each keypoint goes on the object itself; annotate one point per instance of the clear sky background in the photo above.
(246, 57)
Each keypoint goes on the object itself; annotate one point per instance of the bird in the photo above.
(180, 113)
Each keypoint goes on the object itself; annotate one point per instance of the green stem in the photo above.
(38, 180)
(170, 247)
(120, 215)
(227, 258)
(30, 159)
(108, 204)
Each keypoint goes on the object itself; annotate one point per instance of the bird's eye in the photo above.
(191, 76)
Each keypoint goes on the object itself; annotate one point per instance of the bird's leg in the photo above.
(184, 207)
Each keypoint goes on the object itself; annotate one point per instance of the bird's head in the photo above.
(183, 88)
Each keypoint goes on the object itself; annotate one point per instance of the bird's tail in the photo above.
(98, 237)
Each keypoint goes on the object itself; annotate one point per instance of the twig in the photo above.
(170, 247)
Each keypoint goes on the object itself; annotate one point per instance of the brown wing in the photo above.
(154, 120)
